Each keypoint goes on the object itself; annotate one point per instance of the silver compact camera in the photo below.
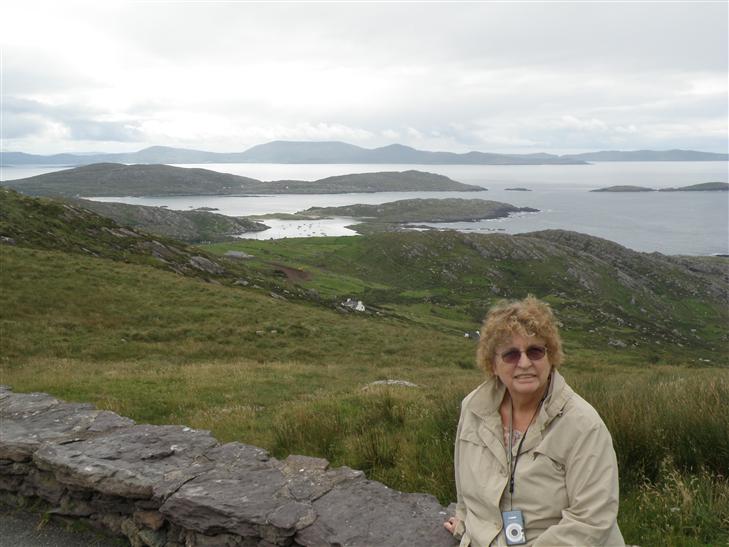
(514, 527)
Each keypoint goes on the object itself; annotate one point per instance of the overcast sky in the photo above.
(501, 77)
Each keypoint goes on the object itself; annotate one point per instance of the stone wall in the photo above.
(175, 486)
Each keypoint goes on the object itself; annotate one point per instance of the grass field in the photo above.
(292, 376)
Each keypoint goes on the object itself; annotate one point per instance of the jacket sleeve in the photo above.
(460, 505)
(591, 476)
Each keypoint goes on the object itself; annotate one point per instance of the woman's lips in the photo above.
(525, 377)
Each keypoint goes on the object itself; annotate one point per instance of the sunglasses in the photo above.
(533, 353)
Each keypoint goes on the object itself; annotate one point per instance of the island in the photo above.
(393, 215)
(115, 180)
(518, 189)
(703, 187)
(625, 188)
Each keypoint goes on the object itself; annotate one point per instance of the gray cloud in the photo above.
(640, 34)
(87, 130)
(17, 126)
(454, 76)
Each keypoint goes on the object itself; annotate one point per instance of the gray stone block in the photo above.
(219, 501)
(309, 478)
(73, 507)
(365, 513)
(104, 503)
(245, 492)
(24, 404)
(141, 461)
(43, 485)
(47, 419)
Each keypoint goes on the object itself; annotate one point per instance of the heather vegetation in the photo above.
(262, 351)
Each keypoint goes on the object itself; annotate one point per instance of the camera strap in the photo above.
(512, 468)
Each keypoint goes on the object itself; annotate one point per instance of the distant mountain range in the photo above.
(650, 155)
(341, 152)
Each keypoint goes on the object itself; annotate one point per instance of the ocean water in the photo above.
(692, 223)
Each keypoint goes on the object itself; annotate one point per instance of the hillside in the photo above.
(47, 224)
(606, 294)
(422, 210)
(107, 179)
(194, 226)
(264, 353)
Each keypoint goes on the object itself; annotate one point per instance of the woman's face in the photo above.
(520, 374)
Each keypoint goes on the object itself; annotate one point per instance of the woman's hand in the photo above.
(451, 524)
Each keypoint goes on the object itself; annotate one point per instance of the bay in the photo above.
(691, 223)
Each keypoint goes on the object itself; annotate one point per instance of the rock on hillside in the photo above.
(643, 272)
(190, 226)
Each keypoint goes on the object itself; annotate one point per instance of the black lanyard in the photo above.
(512, 469)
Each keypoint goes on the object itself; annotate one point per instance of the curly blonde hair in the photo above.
(527, 317)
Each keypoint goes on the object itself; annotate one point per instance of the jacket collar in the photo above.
(488, 396)
(559, 394)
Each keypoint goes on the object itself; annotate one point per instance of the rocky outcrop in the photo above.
(194, 226)
(173, 486)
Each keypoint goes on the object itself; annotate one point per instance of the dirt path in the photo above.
(292, 274)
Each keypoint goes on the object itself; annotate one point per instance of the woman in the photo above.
(534, 462)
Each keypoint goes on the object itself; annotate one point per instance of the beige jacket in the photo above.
(566, 480)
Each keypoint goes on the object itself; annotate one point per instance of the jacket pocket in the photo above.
(554, 460)
(544, 474)
(470, 435)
